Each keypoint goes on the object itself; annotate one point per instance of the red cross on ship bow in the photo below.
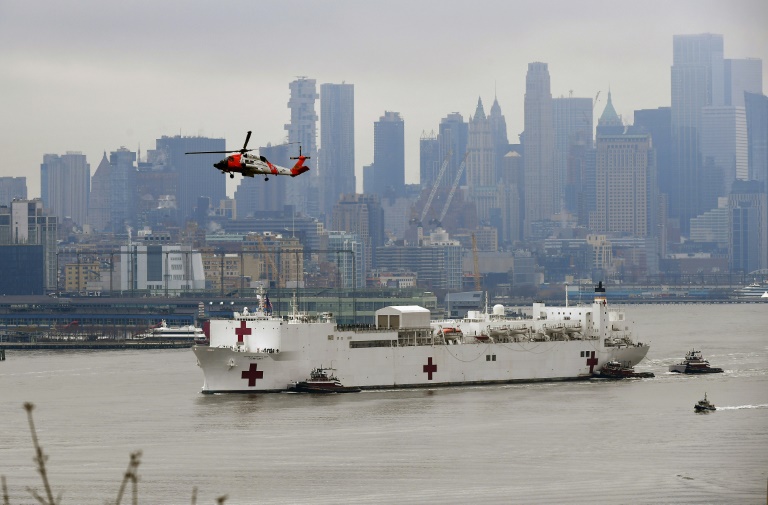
(252, 374)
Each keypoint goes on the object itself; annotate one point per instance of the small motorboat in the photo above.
(694, 364)
(704, 405)
(321, 380)
(615, 370)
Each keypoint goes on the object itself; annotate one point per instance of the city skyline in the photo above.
(93, 79)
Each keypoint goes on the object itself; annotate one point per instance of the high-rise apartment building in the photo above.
(12, 188)
(539, 146)
(336, 157)
(302, 130)
(386, 176)
(65, 183)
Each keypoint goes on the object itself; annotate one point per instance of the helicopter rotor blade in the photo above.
(208, 152)
(245, 146)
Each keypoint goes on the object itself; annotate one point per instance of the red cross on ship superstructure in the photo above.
(252, 374)
(242, 331)
(430, 368)
(592, 362)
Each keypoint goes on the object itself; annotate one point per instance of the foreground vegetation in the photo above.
(131, 476)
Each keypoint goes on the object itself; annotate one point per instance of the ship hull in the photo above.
(228, 371)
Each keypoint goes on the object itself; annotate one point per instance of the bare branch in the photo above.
(130, 474)
(40, 457)
(6, 501)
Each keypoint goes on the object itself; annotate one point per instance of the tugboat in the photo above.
(615, 370)
(704, 405)
(694, 364)
(321, 381)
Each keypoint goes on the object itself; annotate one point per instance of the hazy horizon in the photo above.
(92, 77)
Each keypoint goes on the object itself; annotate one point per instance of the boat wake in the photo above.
(740, 407)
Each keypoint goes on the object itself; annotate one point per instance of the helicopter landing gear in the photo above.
(231, 176)
(266, 178)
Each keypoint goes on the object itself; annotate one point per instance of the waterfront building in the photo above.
(437, 264)
(12, 188)
(538, 146)
(28, 222)
(65, 183)
(302, 130)
(23, 268)
(161, 269)
(336, 157)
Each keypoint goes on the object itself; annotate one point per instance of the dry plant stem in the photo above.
(194, 495)
(221, 499)
(130, 474)
(40, 459)
(5, 491)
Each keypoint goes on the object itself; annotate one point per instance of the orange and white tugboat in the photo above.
(321, 380)
(704, 405)
(694, 364)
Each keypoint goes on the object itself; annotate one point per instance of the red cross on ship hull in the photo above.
(430, 368)
(592, 362)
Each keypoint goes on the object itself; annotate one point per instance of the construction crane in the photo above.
(434, 187)
(453, 187)
(477, 266)
(270, 260)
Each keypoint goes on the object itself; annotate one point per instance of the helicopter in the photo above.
(249, 165)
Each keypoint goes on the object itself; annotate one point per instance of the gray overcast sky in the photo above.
(94, 75)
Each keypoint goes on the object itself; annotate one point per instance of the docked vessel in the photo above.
(255, 351)
(164, 332)
(704, 405)
(615, 370)
(694, 364)
(321, 380)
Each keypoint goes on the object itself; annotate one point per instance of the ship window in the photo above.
(330, 337)
(487, 357)
(494, 358)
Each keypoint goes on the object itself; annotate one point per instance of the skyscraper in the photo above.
(697, 81)
(386, 177)
(452, 136)
(302, 130)
(65, 183)
(336, 157)
(723, 151)
(122, 190)
(481, 164)
(100, 202)
(12, 188)
(538, 145)
(748, 226)
(756, 106)
(572, 123)
(622, 198)
(742, 76)
(429, 159)
(197, 177)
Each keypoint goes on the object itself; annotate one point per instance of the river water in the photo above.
(635, 441)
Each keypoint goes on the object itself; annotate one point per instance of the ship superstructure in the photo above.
(258, 352)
